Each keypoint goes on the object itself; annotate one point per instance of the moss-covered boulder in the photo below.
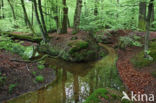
(80, 50)
(77, 45)
(83, 48)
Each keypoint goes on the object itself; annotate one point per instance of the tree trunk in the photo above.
(44, 35)
(96, 8)
(76, 88)
(1, 9)
(32, 15)
(142, 16)
(148, 20)
(152, 16)
(77, 15)
(26, 17)
(12, 9)
(42, 17)
(22, 37)
(65, 18)
(118, 1)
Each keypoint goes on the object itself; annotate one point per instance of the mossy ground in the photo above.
(139, 61)
(106, 95)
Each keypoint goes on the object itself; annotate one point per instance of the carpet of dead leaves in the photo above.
(20, 73)
(134, 80)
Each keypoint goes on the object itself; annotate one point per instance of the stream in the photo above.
(76, 81)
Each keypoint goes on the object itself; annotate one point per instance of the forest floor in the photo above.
(17, 77)
(136, 79)
(20, 78)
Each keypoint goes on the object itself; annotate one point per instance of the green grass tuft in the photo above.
(40, 66)
(39, 78)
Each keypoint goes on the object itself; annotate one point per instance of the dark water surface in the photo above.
(76, 81)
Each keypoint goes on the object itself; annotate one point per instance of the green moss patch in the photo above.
(154, 74)
(103, 95)
(77, 45)
(139, 61)
(40, 66)
(39, 78)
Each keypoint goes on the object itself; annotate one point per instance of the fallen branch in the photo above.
(22, 37)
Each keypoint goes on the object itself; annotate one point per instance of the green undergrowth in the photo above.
(40, 66)
(106, 95)
(39, 78)
(130, 40)
(139, 61)
(6, 43)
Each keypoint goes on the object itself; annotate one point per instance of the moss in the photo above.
(114, 96)
(154, 74)
(39, 78)
(40, 66)
(34, 73)
(126, 101)
(77, 45)
(142, 24)
(139, 61)
(93, 98)
(74, 38)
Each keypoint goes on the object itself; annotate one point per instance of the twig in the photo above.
(27, 68)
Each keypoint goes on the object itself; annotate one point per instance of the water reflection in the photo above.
(75, 81)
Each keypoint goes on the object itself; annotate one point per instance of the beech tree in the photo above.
(142, 15)
(65, 17)
(44, 33)
(148, 23)
(77, 15)
(12, 9)
(1, 9)
(26, 17)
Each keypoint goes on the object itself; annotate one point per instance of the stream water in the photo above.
(76, 81)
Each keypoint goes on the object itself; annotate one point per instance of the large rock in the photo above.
(74, 50)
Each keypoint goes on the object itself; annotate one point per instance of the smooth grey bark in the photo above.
(12, 9)
(1, 7)
(96, 8)
(26, 17)
(142, 16)
(77, 15)
(148, 23)
(65, 18)
(42, 16)
(44, 35)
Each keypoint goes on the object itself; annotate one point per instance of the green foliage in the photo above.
(7, 44)
(109, 95)
(154, 74)
(11, 87)
(93, 98)
(54, 67)
(139, 61)
(126, 41)
(126, 101)
(28, 52)
(39, 78)
(40, 66)
(34, 72)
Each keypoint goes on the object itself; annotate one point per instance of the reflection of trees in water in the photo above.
(76, 88)
(64, 78)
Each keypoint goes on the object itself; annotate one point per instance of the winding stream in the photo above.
(76, 81)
